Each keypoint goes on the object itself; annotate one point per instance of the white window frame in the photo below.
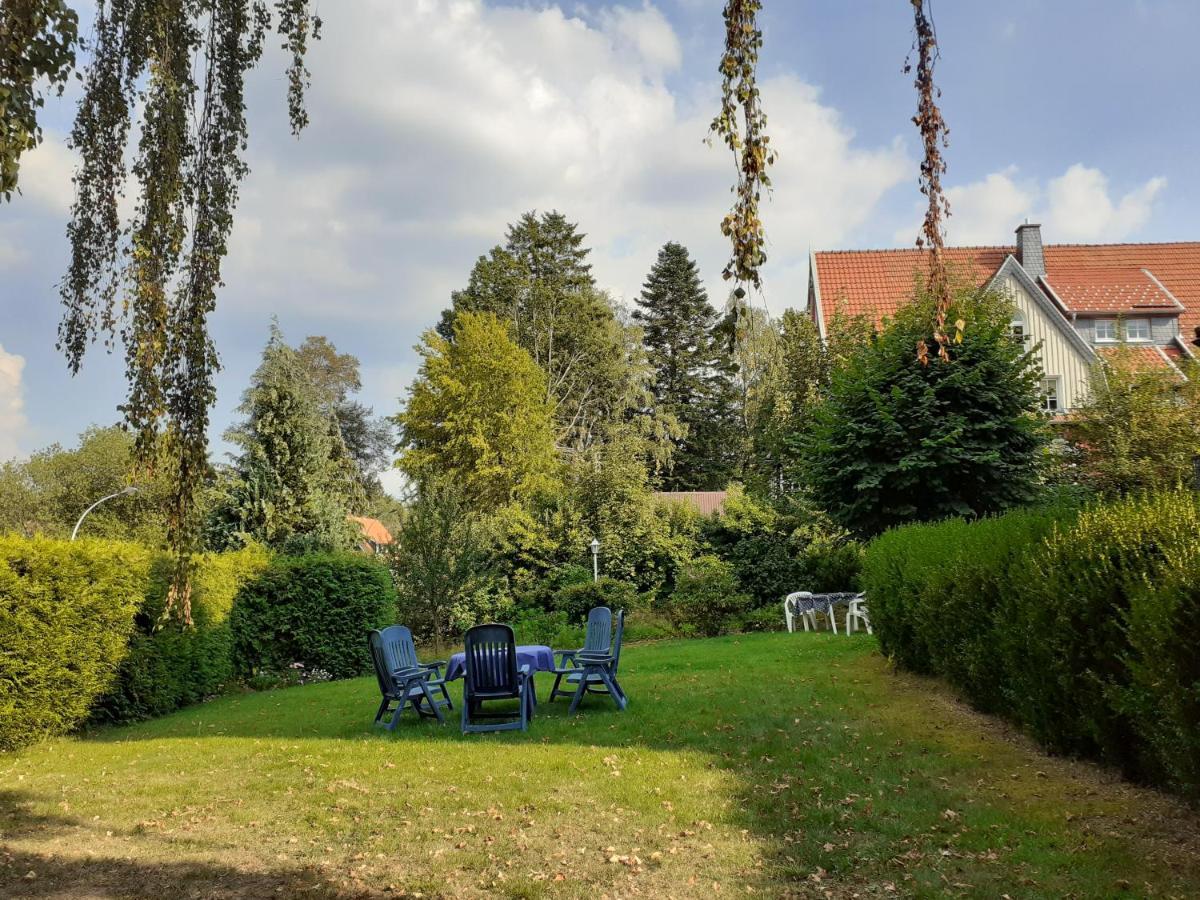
(1050, 399)
(1110, 325)
(1130, 336)
(1016, 327)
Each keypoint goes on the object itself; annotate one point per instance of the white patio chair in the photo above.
(857, 614)
(799, 603)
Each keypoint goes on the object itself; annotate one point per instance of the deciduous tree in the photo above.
(898, 441)
(478, 415)
(1139, 428)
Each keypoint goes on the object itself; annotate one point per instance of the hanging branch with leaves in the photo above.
(934, 137)
(153, 280)
(741, 124)
(37, 41)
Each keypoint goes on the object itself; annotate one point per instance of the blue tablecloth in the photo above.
(538, 657)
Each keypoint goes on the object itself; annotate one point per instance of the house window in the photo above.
(1137, 330)
(1050, 394)
(1016, 327)
(1106, 330)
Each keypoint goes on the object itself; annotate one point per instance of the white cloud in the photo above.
(13, 253)
(464, 116)
(46, 174)
(648, 31)
(13, 424)
(1080, 208)
(1077, 206)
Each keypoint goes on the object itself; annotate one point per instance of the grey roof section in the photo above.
(1011, 267)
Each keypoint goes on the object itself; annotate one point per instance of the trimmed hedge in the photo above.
(169, 666)
(1079, 625)
(66, 613)
(314, 609)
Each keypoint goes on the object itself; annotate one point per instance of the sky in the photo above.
(434, 123)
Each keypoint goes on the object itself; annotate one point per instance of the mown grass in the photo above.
(763, 765)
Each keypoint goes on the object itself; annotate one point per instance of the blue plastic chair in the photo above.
(593, 671)
(404, 680)
(490, 673)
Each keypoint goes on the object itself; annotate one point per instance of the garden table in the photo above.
(538, 657)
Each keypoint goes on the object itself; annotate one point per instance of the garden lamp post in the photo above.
(121, 493)
(595, 545)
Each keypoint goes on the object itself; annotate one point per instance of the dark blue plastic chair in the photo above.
(597, 641)
(404, 680)
(593, 671)
(491, 673)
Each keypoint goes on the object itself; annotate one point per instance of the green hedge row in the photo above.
(66, 614)
(168, 666)
(82, 633)
(1078, 624)
(314, 609)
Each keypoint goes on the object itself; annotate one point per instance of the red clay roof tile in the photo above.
(1109, 290)
(876, 283)
(1141, 358)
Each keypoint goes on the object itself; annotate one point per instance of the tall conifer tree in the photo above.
(691, 370)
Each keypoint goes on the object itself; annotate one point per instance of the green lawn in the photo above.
(769, 765)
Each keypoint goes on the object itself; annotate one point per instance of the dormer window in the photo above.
(1137, 330)
(1106, 331)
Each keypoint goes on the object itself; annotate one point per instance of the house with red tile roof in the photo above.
(1076, 303)
(374, 534)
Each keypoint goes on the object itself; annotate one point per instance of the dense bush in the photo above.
(1164, 696)
(706, 599)
(536, 626)
(897, 441)
(936, 594)
(1079, 624)
(1069, 641)
(66, 613)
(314, 610)
(775, 550)
(168, 665)
(577, 599)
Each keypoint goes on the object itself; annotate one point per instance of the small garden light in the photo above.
(595, 545)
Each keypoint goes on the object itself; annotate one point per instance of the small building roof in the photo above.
(372, 530)
(707, 503)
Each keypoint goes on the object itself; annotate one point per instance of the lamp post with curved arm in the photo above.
(121, 493)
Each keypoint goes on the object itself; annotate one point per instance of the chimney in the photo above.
(1029, 249)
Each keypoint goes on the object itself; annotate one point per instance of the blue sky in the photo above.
(435, 122)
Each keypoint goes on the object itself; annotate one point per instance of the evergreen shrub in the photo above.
(1079, 624)
(314, 609)
(66, 613)
(169, 665)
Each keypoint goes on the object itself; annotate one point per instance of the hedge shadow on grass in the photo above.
(62, 878)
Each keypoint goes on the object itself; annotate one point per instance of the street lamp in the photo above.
(121, 493)
(595, 545)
